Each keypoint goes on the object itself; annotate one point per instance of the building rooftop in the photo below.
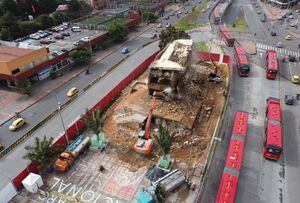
(12, 50)
(175, 56)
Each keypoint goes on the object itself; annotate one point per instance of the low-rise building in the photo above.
(18, 59)
(170, 66)
(283, 4)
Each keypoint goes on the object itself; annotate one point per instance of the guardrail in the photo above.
(51, 115)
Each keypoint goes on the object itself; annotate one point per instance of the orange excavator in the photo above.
(215, 76)
(145, 143)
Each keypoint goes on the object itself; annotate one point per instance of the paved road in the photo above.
(261, 180)
(13, 163)
(48, 104)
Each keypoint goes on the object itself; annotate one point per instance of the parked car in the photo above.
(258, 12)
(287, 37)
(295, 79)
(167, 18)
(179, 12)
(263, 19)
(168, 25)
(159, 25)
(292, 58)
(54, 29)
(273, 34)
(66, 34)
(76, 43)
(55, 53)
(186, 12)
(291, 16)
(59, 37)
(85, 39)
(45, 42)
(72, 92)
(65, 49)
(48, 32)
(293, 24)
(125, 50)
(60, 28)
(51, 39)
(18, 123)
(279, 45)
(1, 147)
(289, 99)
(279, 18)
(34, 36)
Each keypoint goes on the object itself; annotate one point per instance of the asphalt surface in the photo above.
(13, 163)
(34, 114)
(261, 180)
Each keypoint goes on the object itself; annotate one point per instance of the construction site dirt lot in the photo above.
(125, 171)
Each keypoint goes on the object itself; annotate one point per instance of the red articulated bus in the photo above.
(217, 15)
(243, 63)
(229, 181)
(272, 64)
(227, 37)
(273, 130)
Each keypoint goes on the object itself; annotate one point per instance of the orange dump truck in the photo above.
(67, 157)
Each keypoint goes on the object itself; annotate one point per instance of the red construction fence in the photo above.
(75, 128)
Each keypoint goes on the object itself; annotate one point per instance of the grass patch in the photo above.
(190, 21)
(201, 46)
(95, 20)
(121, 21)
(240, 25)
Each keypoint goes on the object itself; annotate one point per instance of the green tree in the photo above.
(9, 26)
(149, 16)
(28, 27)
(164, 139)
(24, 86)
(93, 121)
(160, 193)
(73, 6)
(48, 6)
(42, 152)
(81, 53)
(45, 21)
(11, 6)
(117, 32)
(171, 34)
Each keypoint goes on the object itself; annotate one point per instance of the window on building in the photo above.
(15, 71)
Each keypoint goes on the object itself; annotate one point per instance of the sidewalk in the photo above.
(11, 102)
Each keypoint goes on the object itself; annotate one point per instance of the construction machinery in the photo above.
(145, 143)
(67, 157)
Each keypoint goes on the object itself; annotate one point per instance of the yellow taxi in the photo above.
(72, 92)
(295, 79)
(17, 124)
(288, 37)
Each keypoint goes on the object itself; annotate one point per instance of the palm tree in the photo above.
(42, 152)
(94, 121)
(164, 139)
(160, 193)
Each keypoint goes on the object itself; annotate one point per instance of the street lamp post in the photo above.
(62, 121)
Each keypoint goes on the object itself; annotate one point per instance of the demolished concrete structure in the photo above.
(170, 66)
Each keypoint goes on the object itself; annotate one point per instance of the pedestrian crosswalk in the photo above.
(280, 51)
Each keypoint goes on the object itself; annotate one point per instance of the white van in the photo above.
(76, 29)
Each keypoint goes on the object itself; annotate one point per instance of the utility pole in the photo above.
(62, 121)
